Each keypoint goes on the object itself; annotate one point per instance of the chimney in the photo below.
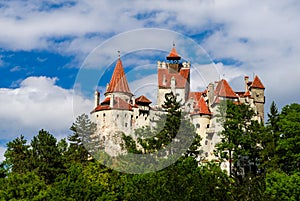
(210, 92)
(111, 102)
(97, 97)
(246, 83)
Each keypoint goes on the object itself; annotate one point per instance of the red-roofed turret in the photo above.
(173, 54)
(118, 82)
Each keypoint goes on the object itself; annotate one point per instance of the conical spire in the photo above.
(173, 54)
(257, 83)
(118, 82)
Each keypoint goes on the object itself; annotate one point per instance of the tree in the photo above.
(288, 147)
(24, 186)
(239, 137)
(75, 185)
(46, 157)
(3, 170)
(280, 186)
(171, 127)
(17, 155)
(183, 180)
(269, 140)
(81, 141)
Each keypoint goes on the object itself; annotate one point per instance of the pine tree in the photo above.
(81, 141)
(46, 157)
(269, 141)
(17, 155)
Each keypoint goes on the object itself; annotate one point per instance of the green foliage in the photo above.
(269, 141)
(3, 170)
(49, 170)
(17, 155)
(45, 156)
(81, 140)
(25, 186)
(74, 185)
(280, 186)
(171, 127)
(288, 147)
(183, 180)
(239, 137)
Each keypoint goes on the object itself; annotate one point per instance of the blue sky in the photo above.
(43, 45)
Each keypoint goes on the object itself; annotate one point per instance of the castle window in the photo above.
(125, 124)
(97, 115)
(117, 116)
(125, 115)
(197, 125)
(207, 126)
(103, 114)
(136, 117)
(206, 142)
(206, 154)
(177, 94)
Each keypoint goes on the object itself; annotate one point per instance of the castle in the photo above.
(122, 112)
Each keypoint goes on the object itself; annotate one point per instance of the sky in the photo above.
(44, 45)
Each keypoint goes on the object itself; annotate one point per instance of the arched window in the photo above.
(197, 125)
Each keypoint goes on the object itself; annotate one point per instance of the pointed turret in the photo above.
(118, 82)
(257, 83)
(173, 54)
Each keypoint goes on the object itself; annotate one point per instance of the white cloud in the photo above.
(2, 151)
(38, 104)
(262, 35)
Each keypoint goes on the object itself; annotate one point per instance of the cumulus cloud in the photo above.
(38, 103)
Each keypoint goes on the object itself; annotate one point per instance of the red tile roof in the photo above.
(106, 101)
(173, 53)
(257, 83)
(118, 104)
(118, 82)
(181, 78)
(142, 99)
(223, 89)
(101, 107)
(201, 107)
(195, 95)
(121, 104)
(247, 94)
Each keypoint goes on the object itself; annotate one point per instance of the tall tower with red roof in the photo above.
(120, 112)
(173, 75)
(257, 91)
